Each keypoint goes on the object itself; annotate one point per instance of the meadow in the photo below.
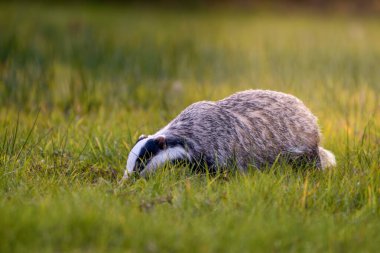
(79, 84)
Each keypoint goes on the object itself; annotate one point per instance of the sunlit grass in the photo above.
(78, 85)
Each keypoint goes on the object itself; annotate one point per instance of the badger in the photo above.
(252, 128)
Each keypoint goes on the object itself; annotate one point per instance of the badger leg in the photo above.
(305, 159)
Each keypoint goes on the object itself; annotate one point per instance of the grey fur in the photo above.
(249, 128)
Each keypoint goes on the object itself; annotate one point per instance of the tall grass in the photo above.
(79, 84)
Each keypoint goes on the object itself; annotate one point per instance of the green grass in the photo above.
(79, 84)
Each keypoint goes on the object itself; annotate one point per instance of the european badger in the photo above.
(249, 128)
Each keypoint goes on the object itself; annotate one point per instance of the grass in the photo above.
(79, 84)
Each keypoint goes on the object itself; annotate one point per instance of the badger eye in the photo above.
(139, 166)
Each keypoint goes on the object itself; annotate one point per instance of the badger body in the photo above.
(252, 128)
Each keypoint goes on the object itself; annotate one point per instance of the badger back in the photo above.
(279, 122)
(213, 134)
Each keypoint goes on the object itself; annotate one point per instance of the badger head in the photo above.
(151, 152)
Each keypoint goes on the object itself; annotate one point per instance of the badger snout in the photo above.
(151, 152)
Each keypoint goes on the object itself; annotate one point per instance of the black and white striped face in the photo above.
(151, 152)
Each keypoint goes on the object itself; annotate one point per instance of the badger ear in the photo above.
(161, 142)
(140, 138)
(143, 136)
